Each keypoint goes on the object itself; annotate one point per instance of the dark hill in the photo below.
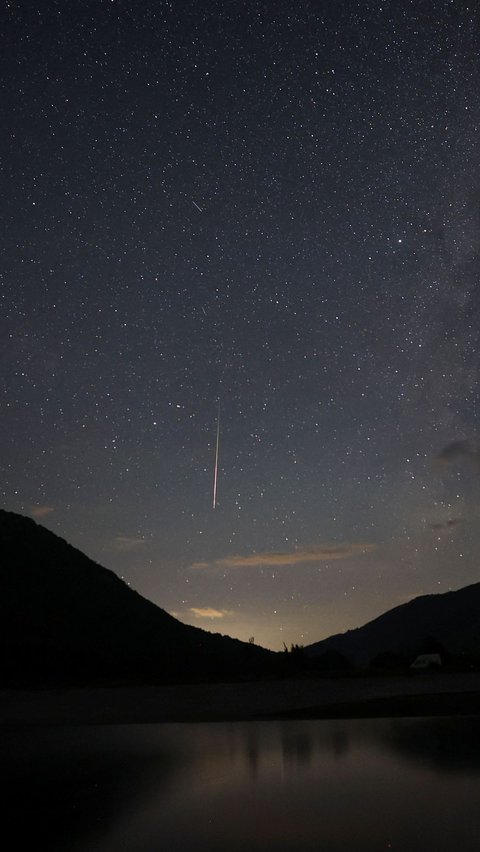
(448, 622)
(65, 619)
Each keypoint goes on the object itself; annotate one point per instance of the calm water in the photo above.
(326, 786)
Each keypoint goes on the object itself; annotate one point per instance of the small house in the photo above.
(426, 661)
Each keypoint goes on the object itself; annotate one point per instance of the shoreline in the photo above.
(427, 694)
(402, 706)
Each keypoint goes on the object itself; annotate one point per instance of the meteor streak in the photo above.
(215, 472)
(196, 205)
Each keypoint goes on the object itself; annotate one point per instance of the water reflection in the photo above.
(358, 785)
(439, 744)
(62, 784)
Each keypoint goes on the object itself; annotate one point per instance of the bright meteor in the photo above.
(215, 472)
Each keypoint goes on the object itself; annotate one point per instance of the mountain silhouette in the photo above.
(447, 623)
(65, 619)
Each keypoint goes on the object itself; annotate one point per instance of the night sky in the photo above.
(261, 216)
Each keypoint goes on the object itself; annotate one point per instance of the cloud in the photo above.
(208, 612)
(41, 511)
(458, 450)
(126, 542)
(320, 553)
(445, 525)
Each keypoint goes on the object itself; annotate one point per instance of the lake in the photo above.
(293, 786)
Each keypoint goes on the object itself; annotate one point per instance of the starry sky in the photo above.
(263, 218)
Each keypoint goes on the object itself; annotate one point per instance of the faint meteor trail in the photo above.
(196, 205)
(215, 472)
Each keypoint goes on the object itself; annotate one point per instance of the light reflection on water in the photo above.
(312, 785)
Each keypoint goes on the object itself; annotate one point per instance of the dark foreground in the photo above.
(435, 694)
